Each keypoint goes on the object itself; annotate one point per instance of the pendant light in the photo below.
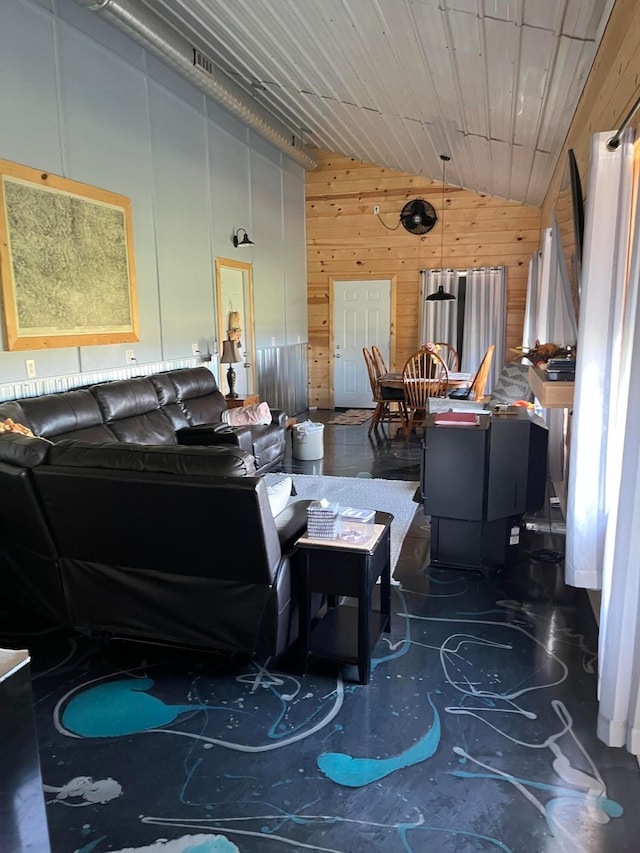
(441, 295)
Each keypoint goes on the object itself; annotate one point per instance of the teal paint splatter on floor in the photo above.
(119, 708)
(356, 772)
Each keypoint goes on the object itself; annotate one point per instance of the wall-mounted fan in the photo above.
(418, 216)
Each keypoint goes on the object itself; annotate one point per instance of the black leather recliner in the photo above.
(169, 544)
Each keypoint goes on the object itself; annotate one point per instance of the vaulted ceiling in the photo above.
(492, 83)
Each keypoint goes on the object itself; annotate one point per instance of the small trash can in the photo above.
(308, 441)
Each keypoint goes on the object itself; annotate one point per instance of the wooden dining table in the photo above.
(394, 380)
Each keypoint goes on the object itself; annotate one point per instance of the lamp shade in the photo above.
(440, 295)
(230, 353)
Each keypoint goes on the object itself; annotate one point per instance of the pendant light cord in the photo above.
(445, 158)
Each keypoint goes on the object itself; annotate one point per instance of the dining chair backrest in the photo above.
(449, 355)
(476, 391)
(378, 360)
(371, 372)
(424, 375)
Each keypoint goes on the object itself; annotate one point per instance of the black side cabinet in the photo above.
(477, 482)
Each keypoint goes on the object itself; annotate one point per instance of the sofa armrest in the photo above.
(279, 418)
(207, 434)
(291, 523)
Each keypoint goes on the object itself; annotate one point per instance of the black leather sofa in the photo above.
(160, 543)
(177, 407)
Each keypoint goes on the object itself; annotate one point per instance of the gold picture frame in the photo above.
(66, 262)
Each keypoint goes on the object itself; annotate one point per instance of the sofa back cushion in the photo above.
(185, 524)
(131, 409)
(14, 411)
(216, 461)
(199, 396)
(168, 399)
(75, 413)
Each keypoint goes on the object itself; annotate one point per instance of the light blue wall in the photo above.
(80, 99)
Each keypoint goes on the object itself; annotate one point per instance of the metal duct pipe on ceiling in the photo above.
(153, 33)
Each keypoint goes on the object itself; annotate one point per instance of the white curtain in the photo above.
(596, 439)
(541, 324)
(563, 327)
(485, 314)
(439, 319)
(550, 317)
(619, 645)
(529, 330)
(485, 320)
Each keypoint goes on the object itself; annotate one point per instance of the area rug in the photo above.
(394, 496)
(352, 417)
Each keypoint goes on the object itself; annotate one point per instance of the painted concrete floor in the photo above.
(476, 733)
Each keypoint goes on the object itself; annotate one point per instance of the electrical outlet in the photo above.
(129, 356)
(376, 209)
(195, 349)
(31, 368)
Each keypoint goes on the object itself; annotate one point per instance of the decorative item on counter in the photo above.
(322, 520)
(356, 525)
(541, 353)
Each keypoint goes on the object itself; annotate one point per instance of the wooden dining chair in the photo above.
(424, 375)
(378, 360)
(449, 355)
(475, 391)
(390, 403)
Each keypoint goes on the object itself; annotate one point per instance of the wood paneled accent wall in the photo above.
(345, 240)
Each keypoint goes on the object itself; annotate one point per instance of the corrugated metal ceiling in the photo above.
(492, 83)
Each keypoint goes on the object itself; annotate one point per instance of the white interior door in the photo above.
(361, 318)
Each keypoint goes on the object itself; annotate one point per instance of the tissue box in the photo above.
(322, 520)
(356, 525)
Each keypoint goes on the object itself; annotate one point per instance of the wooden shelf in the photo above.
(552, 395)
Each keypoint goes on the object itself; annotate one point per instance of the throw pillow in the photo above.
(279, 494)
(512, 385)
(247, 415)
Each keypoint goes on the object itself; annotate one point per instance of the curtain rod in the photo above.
(614, 142)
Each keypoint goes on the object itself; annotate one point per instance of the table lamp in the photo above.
(230, 355)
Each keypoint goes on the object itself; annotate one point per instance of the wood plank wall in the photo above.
(345, 240)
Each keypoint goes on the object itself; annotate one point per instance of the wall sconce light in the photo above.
(245, 241)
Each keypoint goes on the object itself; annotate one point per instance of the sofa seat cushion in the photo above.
(202, 461)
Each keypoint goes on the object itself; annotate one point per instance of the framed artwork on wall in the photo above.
(66, 262)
